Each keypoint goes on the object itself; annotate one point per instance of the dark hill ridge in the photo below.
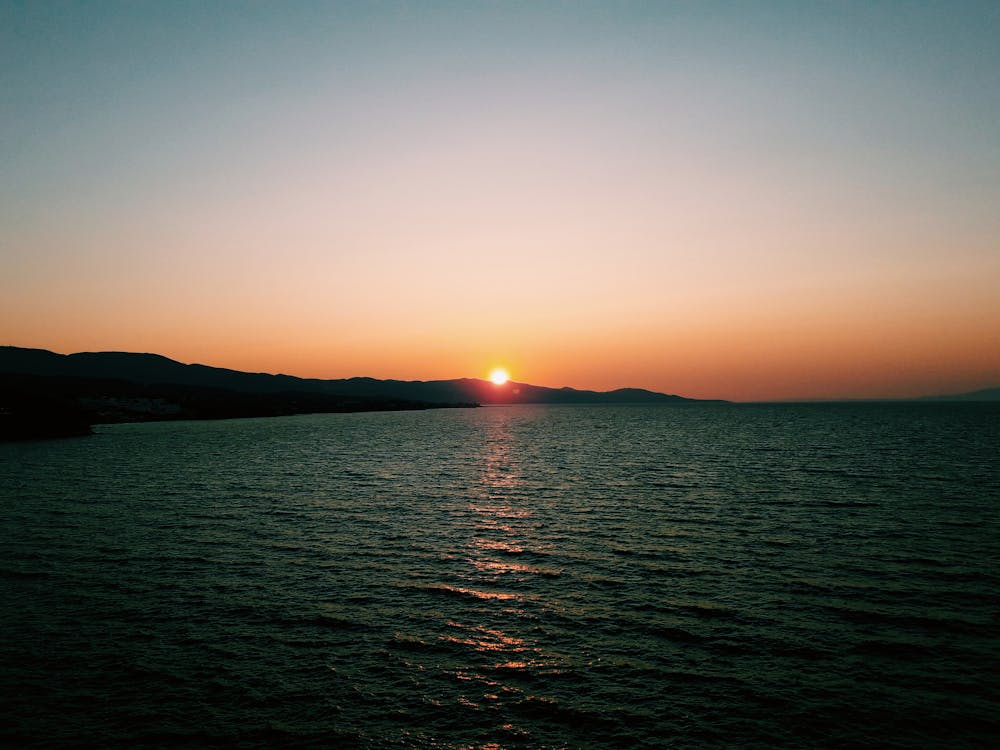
(44, 394)
(486, 392)
(154, 369)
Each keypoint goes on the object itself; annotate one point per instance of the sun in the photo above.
(499, 376)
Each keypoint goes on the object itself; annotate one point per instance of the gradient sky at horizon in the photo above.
(722, 200)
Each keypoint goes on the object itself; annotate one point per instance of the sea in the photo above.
(678, 576)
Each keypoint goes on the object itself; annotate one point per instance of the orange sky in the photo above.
(739, 204)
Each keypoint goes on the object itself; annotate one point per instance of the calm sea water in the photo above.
(544, 577)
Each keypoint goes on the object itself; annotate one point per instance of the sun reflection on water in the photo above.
(486, 642)
(501, 522)
(502, 554)
(486, 639)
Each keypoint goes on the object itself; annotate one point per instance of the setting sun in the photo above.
(499, 376)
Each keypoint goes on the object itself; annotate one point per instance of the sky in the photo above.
(740, 200)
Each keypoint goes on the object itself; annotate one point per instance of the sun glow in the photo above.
(499, 376)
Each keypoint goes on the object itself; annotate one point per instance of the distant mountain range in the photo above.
(48, 393)
(157, 369)
(986, 394)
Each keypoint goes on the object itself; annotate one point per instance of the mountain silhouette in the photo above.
(157, 369)
(43, 393)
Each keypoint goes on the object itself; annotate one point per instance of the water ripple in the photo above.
(525, 577)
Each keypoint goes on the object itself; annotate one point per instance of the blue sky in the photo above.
(594, 194)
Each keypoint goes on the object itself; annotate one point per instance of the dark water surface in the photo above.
(545, 577)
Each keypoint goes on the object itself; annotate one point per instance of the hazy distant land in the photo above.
(43, 393)
(986, 394)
